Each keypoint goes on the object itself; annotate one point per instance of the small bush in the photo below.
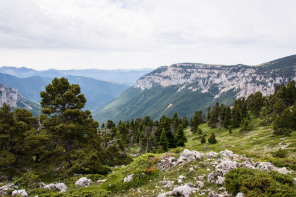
(253, 182)
(281, 153)
(28, 180)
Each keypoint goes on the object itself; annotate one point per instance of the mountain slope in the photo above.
(128, 76)
(189, 87)
(97, 93)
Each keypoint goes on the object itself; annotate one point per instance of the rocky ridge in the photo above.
(194, 77)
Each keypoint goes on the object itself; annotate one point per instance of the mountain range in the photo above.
(97, 93)
(187, 87)
(122, 76)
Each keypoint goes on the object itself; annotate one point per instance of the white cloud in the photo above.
(144, 33)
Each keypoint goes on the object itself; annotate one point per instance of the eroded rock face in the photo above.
(202, 77)
(83, 182)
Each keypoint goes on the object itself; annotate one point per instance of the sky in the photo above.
(125, 34)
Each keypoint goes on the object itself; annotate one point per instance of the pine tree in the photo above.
(180, 136)
(212, 139)
(163, 142)
(71, 128)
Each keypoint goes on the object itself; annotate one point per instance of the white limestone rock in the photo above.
(83, 182)
(166, 184)
(128, 178)
(265, 166)
(212, 154)
(6, 188)
(21, 193)
(211, 177)
(184, 190)
(240, 195)
(200, 184)
(101, 181)
(57, 186)
(220, 180)
(165, 194)
(226, 166)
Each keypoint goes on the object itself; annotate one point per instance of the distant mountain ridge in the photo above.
(187, 87)
(123, 76)
(97, 93)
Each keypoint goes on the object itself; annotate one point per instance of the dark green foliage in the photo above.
(13, 127)
(212, 139)
(180, 136)
(280, 153)
(245, 125)
(259, 183)
(203, 140)
(28, 180)
(163, 142)
(196, 120)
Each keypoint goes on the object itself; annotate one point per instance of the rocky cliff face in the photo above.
(11, 97)
(8, 96)
(188, 87)
(194, 77)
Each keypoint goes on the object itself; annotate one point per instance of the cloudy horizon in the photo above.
(133, 34)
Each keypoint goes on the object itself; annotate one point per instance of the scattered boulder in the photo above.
(182, 177)
(21, 193)
(166, 163)
(165, 194)
(83, 182)
(201, 178)
(240, 195)
(226, 166)
(212, 194)
(167, 183)
(220, 180)
(211, 177)
(184, 190)
(180, 181)
(57, 186)
(4, 190)
(200, 184)
(101, 181)
(264, 166)
(228, 153)
(128, 178)
(212, 154)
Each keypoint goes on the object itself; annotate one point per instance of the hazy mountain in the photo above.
(97, 92)
(10, 96)
(128, 76)
(187, 87)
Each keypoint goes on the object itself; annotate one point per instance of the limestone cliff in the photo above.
(247, 79)
(8, 96)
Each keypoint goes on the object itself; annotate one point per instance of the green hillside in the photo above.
(134, 103)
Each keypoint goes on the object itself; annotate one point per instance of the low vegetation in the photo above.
(65, 144)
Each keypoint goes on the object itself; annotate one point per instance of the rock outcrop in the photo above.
(83, 182)
(196, 76)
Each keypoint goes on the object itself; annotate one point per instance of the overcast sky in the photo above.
(110, 34)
